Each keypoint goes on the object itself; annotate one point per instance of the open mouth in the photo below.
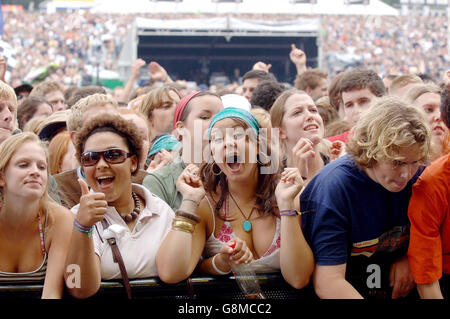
(311, 127)
(105, 181)
(234, 163)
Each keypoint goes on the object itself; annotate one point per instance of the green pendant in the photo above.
(247, 225)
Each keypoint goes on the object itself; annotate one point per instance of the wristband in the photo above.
(290, 212)
(83, 229)
(217, 269)
(193, 217)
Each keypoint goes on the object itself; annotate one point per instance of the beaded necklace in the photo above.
(136, 210)
(41, 234)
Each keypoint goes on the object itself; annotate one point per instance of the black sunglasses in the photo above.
(111, 156)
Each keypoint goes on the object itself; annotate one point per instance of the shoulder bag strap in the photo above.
(117, 257)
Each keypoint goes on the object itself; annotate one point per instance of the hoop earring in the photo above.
(213, 172)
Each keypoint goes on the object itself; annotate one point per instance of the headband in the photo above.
(232, 112)
(166, 142)
(181, 106)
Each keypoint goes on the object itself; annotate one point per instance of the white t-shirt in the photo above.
(138, 247)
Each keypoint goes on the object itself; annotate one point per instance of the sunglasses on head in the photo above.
(111, 156)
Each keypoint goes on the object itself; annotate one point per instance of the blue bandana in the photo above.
(232, 112)
(166, 142)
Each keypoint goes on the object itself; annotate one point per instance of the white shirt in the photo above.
(138, 247)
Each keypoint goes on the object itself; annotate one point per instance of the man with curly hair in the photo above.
(355, 209)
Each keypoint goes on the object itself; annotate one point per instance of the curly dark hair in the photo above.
(265, 191)
(111, 123)
(266, 93)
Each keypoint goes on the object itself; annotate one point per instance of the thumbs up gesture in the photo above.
(92, 206)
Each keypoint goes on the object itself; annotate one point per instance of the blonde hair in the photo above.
(386, 127)
(7, 93)
(42, 89)
(57, 149)
(35, 124)
(262, 116)
(9, 147)
(416, 91)
(75, 118)
(155, 99)
(401, 81)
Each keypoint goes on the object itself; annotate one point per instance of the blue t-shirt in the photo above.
(350, 219)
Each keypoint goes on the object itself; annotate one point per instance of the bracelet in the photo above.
(182, 225)
(192, 217)
(191, 200)
(83, 229)
(87, 228)
(290, 212)
(213, 263)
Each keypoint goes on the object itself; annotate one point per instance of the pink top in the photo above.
(269, 261)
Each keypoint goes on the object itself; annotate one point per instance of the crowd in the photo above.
(79, 41)
(340, 183)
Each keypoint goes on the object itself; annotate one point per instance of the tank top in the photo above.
(36, 276)
(267, 263)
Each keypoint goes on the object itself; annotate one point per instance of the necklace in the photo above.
(136, 210)
(247, 224)
(41, 234)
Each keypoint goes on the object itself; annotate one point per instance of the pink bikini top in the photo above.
(268, 262)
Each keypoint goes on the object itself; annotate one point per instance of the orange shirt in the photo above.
(429, 213)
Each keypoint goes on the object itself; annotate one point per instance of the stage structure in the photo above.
(200, 49)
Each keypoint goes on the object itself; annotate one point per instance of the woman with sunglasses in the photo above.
(33, 229)
(109, 149)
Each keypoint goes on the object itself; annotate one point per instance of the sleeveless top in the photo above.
(267, 263)
(36, 276)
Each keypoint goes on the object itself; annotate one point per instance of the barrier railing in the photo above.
(196, 287)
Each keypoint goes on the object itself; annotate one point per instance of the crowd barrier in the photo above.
(196, 287)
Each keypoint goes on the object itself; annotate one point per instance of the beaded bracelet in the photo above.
(213, 264)
(290, 212)
(83, 229)
(189, 216)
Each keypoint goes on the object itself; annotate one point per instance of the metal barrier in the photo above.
(196, 287)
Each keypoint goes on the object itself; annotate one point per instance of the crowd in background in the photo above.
(77, 41)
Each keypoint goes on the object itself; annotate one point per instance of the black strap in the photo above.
(117, 257)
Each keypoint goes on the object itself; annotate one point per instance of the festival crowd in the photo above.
(338, 182)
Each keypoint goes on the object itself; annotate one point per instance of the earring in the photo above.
(213, 172)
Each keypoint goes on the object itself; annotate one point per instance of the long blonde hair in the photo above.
(9, 147)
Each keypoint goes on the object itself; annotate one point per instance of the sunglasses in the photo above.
(111, 156)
